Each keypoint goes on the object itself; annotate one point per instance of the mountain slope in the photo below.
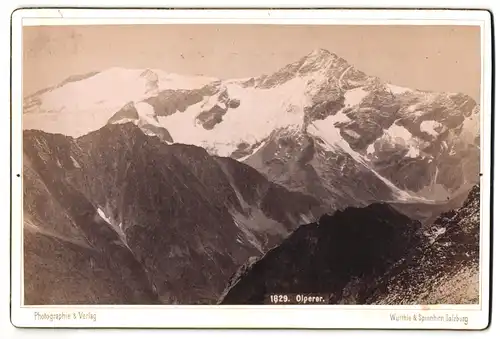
(71, 256)
(175, 218)
(372, 255)
(446, 271)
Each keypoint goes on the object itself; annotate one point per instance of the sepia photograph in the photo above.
(248, 164)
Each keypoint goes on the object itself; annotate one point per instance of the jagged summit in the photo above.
(319, 66)
(321, 55)
(320, 52)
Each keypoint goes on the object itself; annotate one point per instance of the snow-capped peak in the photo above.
(322, 59)
(320, 53)
(76, 108)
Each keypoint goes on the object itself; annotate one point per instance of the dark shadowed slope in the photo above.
(135, 214)
(446, 271)
(371, 255)
(324, 257)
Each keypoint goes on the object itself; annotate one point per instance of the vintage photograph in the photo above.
(251, 164)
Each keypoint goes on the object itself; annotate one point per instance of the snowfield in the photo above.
(261, 111)
(354, 97)
(80, 107)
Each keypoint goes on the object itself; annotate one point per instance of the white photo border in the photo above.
(252, 316)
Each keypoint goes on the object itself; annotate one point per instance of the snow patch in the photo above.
(370, 149)
(351, 133)
(437, 232)
(429, 127)
(413, 152)
(125, 120)
(399, 133)
(398, 89)
(354, 97)
(210, 102)
(326, 130)
(75, 163)
(251, 238)
(306, 219)
(339, 118)
(147, 118)
(146, 113)
(117, 228)
(253, 152)
(104, 217)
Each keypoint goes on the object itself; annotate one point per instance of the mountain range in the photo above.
(169, 213)
(142, 186)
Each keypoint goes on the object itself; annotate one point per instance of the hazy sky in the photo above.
(441, 58)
